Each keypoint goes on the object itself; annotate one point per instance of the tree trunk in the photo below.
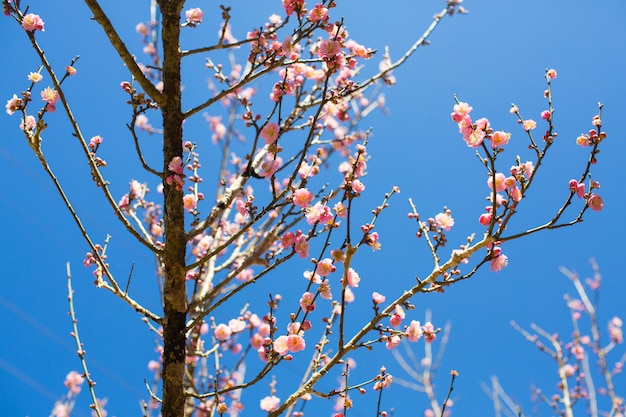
(174, 295)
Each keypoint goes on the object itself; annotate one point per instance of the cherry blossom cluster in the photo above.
(31, 125)
(507, 192)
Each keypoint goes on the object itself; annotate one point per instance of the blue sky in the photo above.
(495, 55)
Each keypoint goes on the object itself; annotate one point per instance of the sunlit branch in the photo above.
(128, 59)
(354, 342)
(36, 146)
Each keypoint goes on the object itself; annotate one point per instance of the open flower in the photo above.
(32, 22)
(194, 16)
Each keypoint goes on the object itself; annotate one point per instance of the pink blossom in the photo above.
(154, 366)
(61, 410)
(398, 316)
(578, 351)
(574, 186)
(318, 13)
(194, 16)
(307, 302)
(393, 342)
(190, 201)
(582, 140)
(596, 121)
(357, 186)
(49, 95)
(348, 295)
(176, 181)
(353, 278)
(245, 275)
(294, 328)
(295, 343)
(290, 343)
(385, 383)
(529, 124)
(340, 210)
(461, 110)
(325, 267)
(429, 332)
(359, 51)
(615, 330)
(329, 48)
(293, 6)
(444, 220)
(70, 70)
(301, 246)
(551, 73)
(176, 165)
(378, 298)
(569, 370)
(242, 207)
(13, 104)
(545, 115)
(595, 202)
(499, 138)
(515, 194)
(307, 171)
(222, 332)
(324, 289)
(288, 240)
(485, 218)
(372, 240)
(270, 165)
(510, 182)
(256, 341)
(237, 325)
(528, 168)
(414, 331)
(270, 132)
(264, 329)
(500, 182)
(482, 124)
(28, 124)
(270, 403)
(136, 189)
(465, 127)
(32, 22)
(475, 138)
(498, 263)
(142, 29)
(141, 121)
(318, 213)
(302, 197)
(125, 85)
(73, 381)
(35, 77)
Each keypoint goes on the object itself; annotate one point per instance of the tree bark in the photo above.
(174, 294)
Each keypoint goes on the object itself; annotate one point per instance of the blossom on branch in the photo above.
(32, 22)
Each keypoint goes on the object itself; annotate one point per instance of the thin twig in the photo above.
(80, 349)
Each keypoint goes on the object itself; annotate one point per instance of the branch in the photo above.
(128, 59)
(114, 288)
(353, 343)
(35, 143)
(80, 351)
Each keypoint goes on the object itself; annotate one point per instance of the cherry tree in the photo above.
(288, 168)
